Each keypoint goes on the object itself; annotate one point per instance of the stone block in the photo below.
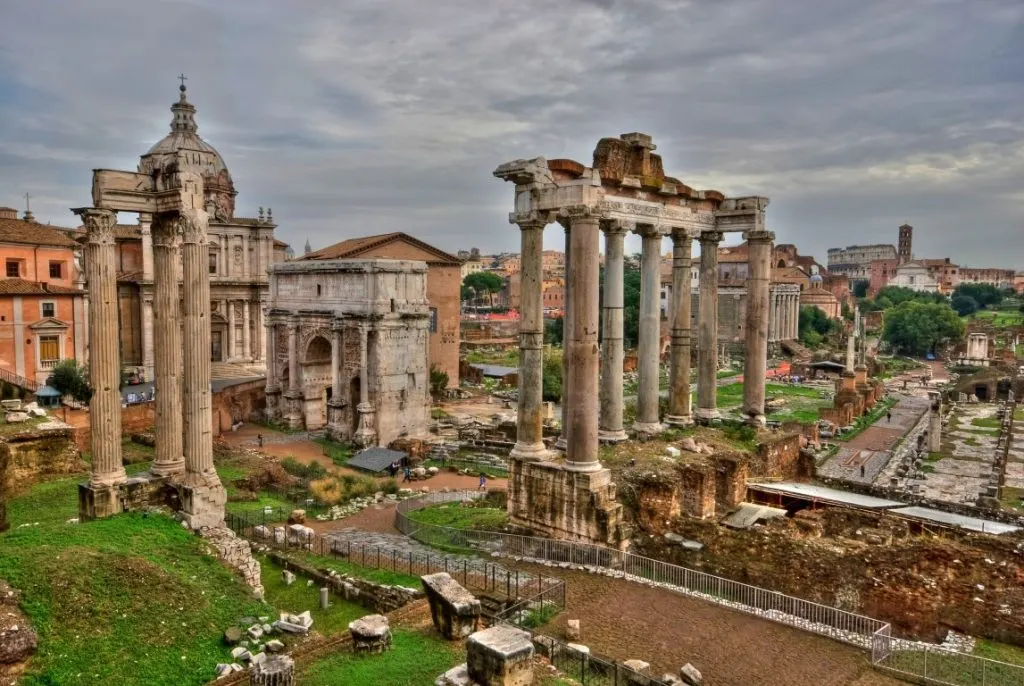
(297, 517)
(572, 630)
(454, 610)
(456, 676)
(500, 656)
(287, 577)
(97, 502)
(232, 635)
(690, 675)
(370, 634)
(275, 670)
(274, 646)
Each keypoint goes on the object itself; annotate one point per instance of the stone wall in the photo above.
(924, 585)
(241, 402)
(557, 503)
(34, 456)
(780, 457)
(136, 418)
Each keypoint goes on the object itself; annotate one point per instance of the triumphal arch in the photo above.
(182, 473)
(625, 189)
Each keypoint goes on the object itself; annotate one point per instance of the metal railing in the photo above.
(18, 380)
(479, 575)
(950, 668)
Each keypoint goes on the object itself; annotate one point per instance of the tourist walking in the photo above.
(407, 475)
(483, 482)
(259, 441)
(888, 416)
(393, 469)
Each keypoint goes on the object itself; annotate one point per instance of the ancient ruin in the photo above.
(347, 348)
(182, 473)
(625, 190)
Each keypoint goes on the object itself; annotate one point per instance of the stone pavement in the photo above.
(970, 452)
(872, 448)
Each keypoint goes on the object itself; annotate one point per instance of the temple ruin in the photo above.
(182, 474)
(347, 348)
(625, 190)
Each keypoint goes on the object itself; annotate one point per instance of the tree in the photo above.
(860, 289)
(482, 283)
(554, 331)
(916, 328)
(438, 381)
(985, 294)
(631, 307)
(551, 380)
(72, 379)
(963, 304)
(813, 326)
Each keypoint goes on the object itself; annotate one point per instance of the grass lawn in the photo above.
(1012, 498)
(338, 452)
(987, 422)
(999, 651)
(458, 517)
(502, 358)
(416, 658)
(301, 596)
(476, 469)
(802, 402)
(343, 566)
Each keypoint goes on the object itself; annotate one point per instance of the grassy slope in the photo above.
(458, 517)
(417, 658)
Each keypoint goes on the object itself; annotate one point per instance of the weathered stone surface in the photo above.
(232, 635)
(690, 675)
(287, 577)
(572, 630)
(370, 634)
(454, 610)
(18, 641)
(456, 676)
(235, 552)
(274, 646)
(500, 656)
(273, 670)
(638, 666)
(297, 517)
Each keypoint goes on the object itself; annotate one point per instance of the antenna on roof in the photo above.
(28, 208)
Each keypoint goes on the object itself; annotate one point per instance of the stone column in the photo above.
(566, 325)
(679, 371)
(529, 416)
(169, 457)
(612, 352)
(205, 504)
(365, 434)
(758, 299)
(707, 328)
(581, 342)
(272, 380)
(774, 335)
(246, 333)
(336, 343)
(649, 349)
(851, 354)
(104, 357)
(232, 336)
(293, 356)
(147, 336)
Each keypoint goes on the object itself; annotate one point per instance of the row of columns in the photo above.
(785, 317)
(590, 413)
(184, 444)
(249, 350)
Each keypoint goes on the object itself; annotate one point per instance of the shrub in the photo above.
(313, 470)
(438, 381)
(327, 490)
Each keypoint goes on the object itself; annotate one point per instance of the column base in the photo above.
(612, 436)
(582, 467)
(531, 452)
(97, 501)
(648, 428)
(681, 420)
(707, 415)
(169, 469)
(756, 420)
(202, 501)
(561, 444)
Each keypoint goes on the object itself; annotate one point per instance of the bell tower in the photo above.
(904, 250)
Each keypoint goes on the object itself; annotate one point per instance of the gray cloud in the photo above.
(378, 115)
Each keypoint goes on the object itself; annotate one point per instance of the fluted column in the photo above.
(104, 339)
(707, 328)
(758, 300)
(169, 458)
(794, 308)
(530, 414)
(566, 325)
(679, 370)
(648, 350)
(246, 333)
(147, 337)
(610, 421)
(581, 341)
(198, 435)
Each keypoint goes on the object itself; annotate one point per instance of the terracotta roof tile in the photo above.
(354, 247)
(32, 233)
(23, 287)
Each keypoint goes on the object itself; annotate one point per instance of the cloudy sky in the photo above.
(352, 117)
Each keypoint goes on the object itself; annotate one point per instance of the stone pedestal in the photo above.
(561, 503)
(276, 670)
(98, 501)
(500, 656)
(370, 634)
(454, 610)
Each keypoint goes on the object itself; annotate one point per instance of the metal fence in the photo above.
(939, 665)
(477, 575)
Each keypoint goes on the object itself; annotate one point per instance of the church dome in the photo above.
(816, 280)
(183, 142)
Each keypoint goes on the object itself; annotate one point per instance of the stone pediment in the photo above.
(49, 324)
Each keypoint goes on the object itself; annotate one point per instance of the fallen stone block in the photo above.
(297, 517)
(232, 635)
(240, 653)
(500, 656)
(370, 634)
(454, 610)
(690, 675)
(572, 630)
(275, 670)
(274, 646)
(255, 631)
(288, 577)
(456, 676)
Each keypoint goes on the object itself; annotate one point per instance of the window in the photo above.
(319, 289)
(433, 320)
(49, 309)
(49, 351)
(13, 269)
(213, 261)
(56, 270)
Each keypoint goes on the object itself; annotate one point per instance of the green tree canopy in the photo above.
(985, 294)
(70, 378)
(916, 328)
(890, 296)
(963, 304)
(813, 326)
(479, 284)
(631, 307)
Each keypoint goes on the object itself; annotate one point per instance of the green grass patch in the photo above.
(984, 432)
(475, 469)
(255, 508)
(727, 373)
(928, 468)
(26, 426)
(987, 422)
(1004, 652)
(340, 453)
(502, 358)
(417, 657)
(1012, 498)
(300, 596)
(459, 516)
(934, 457)
(539, 616)
(344, 566)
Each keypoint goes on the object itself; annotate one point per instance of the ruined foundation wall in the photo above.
(557, 503)
(39, 455)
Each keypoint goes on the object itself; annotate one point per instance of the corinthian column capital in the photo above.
(575, 213)
(99, 224)
(194, 225)
(533, 219)
(613, 227)
(759, 236)
(650, 230)
(710, 237)
(165, 232)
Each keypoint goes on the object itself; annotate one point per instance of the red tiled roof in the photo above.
(23, 287)
(354, 247)
(33, 233)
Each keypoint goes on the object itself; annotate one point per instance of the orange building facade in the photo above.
(42, 301)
